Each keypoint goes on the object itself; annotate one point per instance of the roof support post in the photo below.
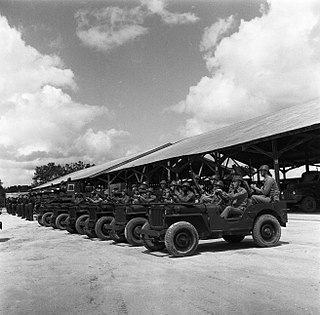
(306, 156)
(109, 188)
(275, 155)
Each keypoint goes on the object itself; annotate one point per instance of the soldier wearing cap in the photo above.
(164, 191)
(238, 199)
(269, 191)
(146, 196)
(214, 196)
(186, 195)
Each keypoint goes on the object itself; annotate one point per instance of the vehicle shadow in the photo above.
(4, 239)
(223, 246)
(214, 247)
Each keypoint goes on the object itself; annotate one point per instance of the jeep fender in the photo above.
(197, 220)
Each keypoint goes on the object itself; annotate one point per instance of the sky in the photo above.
(98, 80)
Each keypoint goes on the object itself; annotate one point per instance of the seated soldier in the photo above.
(164, 191)
(238, 199)
(78, 198)
(145, 196)
(126, 197)
(269, 192)
(95, 198)
(214, 196)
(186, 195)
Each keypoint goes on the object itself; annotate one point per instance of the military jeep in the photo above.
(99, 218)
(304, 194)
(127, 223)
(178, 227)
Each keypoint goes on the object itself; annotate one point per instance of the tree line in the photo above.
(46, 173)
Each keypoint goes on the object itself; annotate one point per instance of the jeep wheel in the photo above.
(116, 237)
(130, 232)
(80, 223)
(149, 243)
(308, 204)
(61, 221)
(46, 219)
(233, 238)
(102, 232)
(89, 232)
(266, 231)
(69, 228)
(39, 219)
(181, 239)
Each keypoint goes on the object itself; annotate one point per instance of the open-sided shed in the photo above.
(284, 140)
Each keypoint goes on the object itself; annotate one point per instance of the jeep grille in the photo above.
(120, 215)
(156, 216)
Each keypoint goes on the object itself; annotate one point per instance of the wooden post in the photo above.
(306, 156)
(109, 188)
(275, 154)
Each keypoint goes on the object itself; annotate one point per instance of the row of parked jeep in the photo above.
(176, 227)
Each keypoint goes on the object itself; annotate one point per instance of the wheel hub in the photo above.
(183, 240)
(267, 231)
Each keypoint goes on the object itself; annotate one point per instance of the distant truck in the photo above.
(304, 194)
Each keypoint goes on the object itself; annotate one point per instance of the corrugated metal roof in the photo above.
(98, 169)
(290, 119)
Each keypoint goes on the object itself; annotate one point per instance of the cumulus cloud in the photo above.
(159, 7)
(39, 121)
(265, 64)
(111, 27)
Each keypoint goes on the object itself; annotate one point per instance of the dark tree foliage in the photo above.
(51, 171)
(17, 188)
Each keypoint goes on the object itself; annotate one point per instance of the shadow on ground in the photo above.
(5, 239)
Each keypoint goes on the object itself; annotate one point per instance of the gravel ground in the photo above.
(46, 271)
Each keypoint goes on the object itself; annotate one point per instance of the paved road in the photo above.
(45, 271)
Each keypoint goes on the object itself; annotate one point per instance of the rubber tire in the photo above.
(129, 231)
(181, 229)
(80, 223)
(61, 221)
(233, 239)
(308, 204)
(89, 233)
(70, 229)
(46, 219)
(99, 228)
(39, 219)
(118, 238)
(149, 244)
(267, 222)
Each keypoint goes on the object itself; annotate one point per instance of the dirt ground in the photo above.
(45, 271)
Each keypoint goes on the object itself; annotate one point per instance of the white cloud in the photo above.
(111, 27)
(270, 62)
(158, 7)
(39, 121)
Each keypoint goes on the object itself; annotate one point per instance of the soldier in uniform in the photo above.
(214, 196)
(269, 192)
(238, 199)
(164, 191)
(186, 195)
